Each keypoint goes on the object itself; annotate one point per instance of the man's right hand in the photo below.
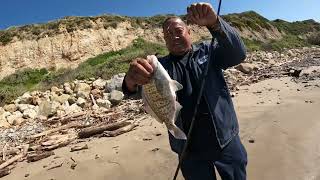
(139, 73)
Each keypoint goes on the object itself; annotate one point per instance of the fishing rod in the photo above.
(203, 81)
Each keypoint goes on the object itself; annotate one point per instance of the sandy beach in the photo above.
(279, 126)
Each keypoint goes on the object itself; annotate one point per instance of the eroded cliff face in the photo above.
(69, 49)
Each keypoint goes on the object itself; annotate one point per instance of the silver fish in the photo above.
(159, 97)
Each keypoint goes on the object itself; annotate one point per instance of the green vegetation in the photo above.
(298, 27)
(5, 37)
(253, 45)
(314, 39)
(104, 65)
(21, 81)
(288, 41)
(249, 19)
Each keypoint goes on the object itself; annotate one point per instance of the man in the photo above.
(215, 141)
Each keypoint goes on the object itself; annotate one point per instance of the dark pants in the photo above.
(230, 162)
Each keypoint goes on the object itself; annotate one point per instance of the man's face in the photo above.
(177, 37)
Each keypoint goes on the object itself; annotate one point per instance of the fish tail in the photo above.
(177, 133)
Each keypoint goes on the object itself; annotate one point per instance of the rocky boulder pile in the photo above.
(27, 114)
(301, 64)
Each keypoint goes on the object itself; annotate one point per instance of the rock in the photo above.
(96, 93)
(310, 70)
(67, 88)
(4, 123)
(104, 103)
(73, 165)
(83, 95)
(18, 121)
(42, 118)
(30, 113)
(15, 118)
(61, 99)
(73, 109)
(3, 120)
(271, 62)
(291, 53)
(95, 107)
(6, 114)
(48, 109)
(23, 107)
(81, 102)
(246, 68)
(25, 98)
(269, 55)
(115, 83)
(295, 72)
(106, 96)
(10, 108)
(308, 101)
(82, 90)
(99, 83)
(116, 97)
(72, 100)
(56, 90)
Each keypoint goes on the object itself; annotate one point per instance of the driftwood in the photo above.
(8, 152)
(68, 126)
(37, 157)
(4, 172)
(120, 130)
(93, 100)
(65, 117)
(58, 141)
(113, 115)
(15, 158)
(79, 148)
(88, 132)
(56, 166)
(78, 116)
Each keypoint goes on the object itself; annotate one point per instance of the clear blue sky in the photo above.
(21, 12)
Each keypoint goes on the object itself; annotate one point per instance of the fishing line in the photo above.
(203, 81)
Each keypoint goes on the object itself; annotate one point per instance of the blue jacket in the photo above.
(228, 50)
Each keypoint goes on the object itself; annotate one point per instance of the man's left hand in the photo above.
(202, 14)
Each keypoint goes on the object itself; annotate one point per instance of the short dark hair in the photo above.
(166, 21)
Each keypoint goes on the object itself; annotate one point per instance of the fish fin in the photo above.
(173, 129)
(177, 132)
(178, 108)
(176, 85)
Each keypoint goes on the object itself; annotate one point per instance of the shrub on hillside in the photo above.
(5, 37)
(314, 39)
